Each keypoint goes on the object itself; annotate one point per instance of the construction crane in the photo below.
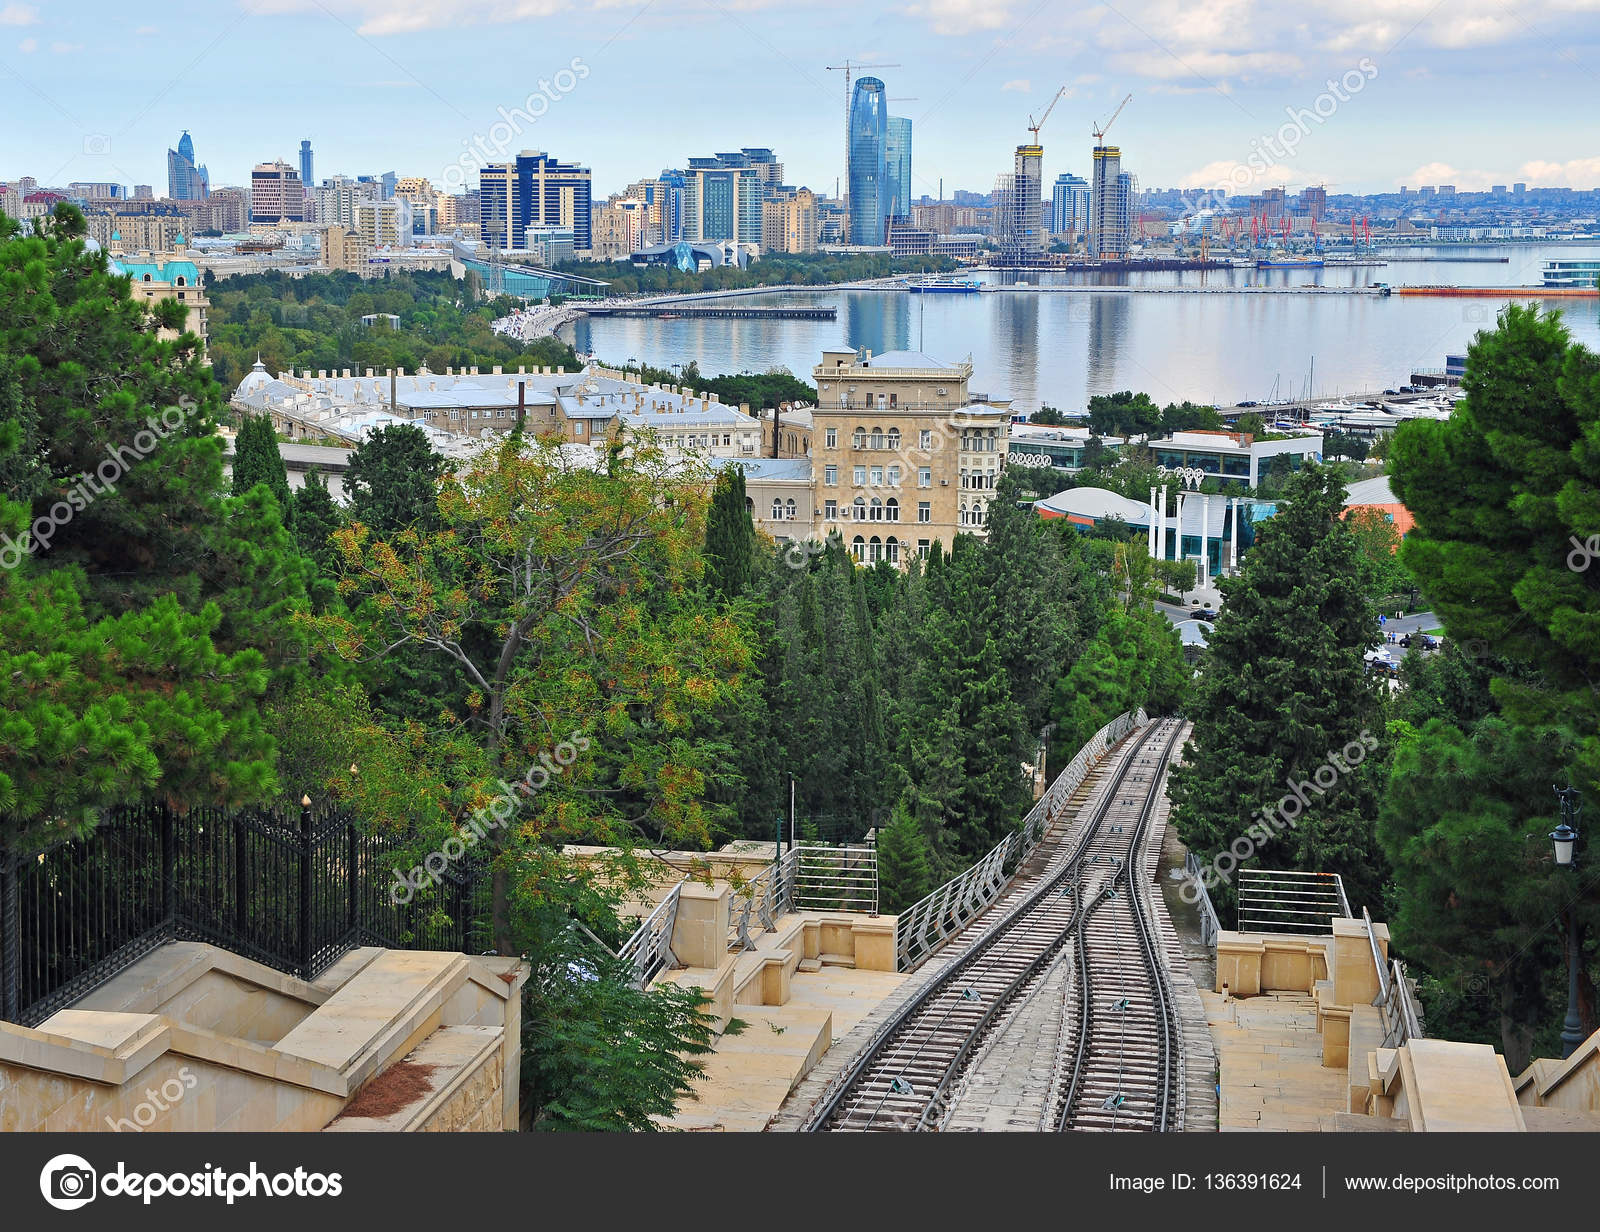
(1101, 130)
(1033, 127)
(847, 68)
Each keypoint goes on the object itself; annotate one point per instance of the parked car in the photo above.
(1252, 402)
(1391, 391)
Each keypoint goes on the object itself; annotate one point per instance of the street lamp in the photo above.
(1565, 838)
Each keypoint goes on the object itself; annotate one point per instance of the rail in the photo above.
(650, 947)
(1210, 925)
(1287, 901)
(766, 896)
(809, 877)
(925, 926)
(1402, 1021)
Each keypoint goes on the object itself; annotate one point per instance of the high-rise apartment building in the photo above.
(334, 201)
(663, 199)
(1314, 201)
(723, 195)
(897, 157)
(868, 162)
(535, 190)
(305, 163)
(384, 224)
(422, 199)
(344, 249)
(1019, 209)
(789, 221)
(1069, 206)
(1110, 205)
(186, 181)
(276, 193)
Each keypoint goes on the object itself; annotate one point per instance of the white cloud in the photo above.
(146, 30)
(1020, 86)
(962, 16)
(373, 17)
(1242, 180)
(1579, 173)
(28, 46)
(1444, 173)
(19, 15)
(66, 49)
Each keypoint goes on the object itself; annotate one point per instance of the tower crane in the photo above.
(1035, 127)
(1101, 130)
(847, 68)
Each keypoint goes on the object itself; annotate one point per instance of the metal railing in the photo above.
(767, 895)
(1286, 901)
(1210, 925)
(1402, 1020)
(925, 926)
(291, 892)
(835, 878)
(650, 947)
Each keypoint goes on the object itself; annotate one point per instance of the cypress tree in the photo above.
(730, 537)
(256, 460)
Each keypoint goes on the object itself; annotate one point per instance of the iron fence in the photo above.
(1286, 901)
(293, 893)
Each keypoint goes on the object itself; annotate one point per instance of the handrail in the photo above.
(926, 925)
(1401, 1020)
(767, 895)
(1210, 924)
(650, 947)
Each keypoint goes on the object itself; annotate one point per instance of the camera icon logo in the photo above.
(96, 144)
(68, 1182)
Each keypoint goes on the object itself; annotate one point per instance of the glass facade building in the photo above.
(534, 191)
(869, 165)
(898, 159)
(1069, 205)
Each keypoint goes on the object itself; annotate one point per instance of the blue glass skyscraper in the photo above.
(869, 168)
(899, 161)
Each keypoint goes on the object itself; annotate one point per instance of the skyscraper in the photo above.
(1069, 205)
(305, 163)
(534, 191)
(723, 195)
(1019, 224)
(898, 158)
(276, 193)
(869, 168)
(185, 180)
(1110, 205)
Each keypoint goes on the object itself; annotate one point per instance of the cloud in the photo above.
(1579, 173)
(1444, 173)
(66, 49)
(1241, 180)
(19, 15)
(1020, 86)
(378, 17)
(146, 30)
(28, 46)
(962, 16)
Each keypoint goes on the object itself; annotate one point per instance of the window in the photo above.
(860, 476)
(924, 477)
(830, 510)
(858, 439)
(830, 476)
(788, 510)
(925, 438)
(858, 548)
(858, 510)
(922, 549)
(894, 476)
(892, 550)
(777, 509)
(876, 549)
(833, 438)
(877, 509)
(924, 512)
(877, 438)
(877, 476)
(892, 510)
(894, 438)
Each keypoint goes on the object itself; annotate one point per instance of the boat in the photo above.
(1571, 274)
(946, 285)
(1290, 263)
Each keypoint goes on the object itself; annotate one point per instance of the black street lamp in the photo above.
(1565, 838)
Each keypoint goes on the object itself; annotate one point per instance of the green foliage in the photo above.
(730, 537)
(256, 460)
(905, 870)
(1283, 686)
(773, 270)
(392, 482)
(316, 517)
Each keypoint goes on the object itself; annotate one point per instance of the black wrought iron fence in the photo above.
(293, 893)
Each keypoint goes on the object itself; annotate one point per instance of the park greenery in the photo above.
(775, 269)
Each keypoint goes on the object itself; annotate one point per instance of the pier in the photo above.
(741, 311)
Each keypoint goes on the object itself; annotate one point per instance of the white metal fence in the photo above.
(924, 927)
(650, 947)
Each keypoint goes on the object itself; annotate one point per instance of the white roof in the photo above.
(1371, 492)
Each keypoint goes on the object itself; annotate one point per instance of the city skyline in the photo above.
(385, 90)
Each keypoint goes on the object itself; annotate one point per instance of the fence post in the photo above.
(306, 947)
(10, 939)
(169, 869)
(353, 873)
(241, 879)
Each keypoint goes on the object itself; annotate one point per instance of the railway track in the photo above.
(904, 1078)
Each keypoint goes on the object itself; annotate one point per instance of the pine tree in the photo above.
(316, 517)
(1282, 687)
(730, 537)
(256, 460)
(905, 870)
(393, 481)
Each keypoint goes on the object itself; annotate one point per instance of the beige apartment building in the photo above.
(344, 249)
(789, 222)
(903, 454)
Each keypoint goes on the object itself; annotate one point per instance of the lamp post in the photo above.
(1565, 838)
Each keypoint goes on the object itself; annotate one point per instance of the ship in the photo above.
(1289, 263)
(948, 285)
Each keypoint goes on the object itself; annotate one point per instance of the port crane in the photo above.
(1101, 130)
(1035, 127)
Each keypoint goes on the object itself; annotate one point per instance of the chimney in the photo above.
(522, 403)
(777, 422)
(394, 397)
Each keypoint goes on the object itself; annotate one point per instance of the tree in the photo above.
(393, 481)
(1123, 414)
(256, 460)
(1281, 694)
(905, 873)
(1378, 545)
(316, 517)
(730, 537)
(1047, 415)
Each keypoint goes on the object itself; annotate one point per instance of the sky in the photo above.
(1387, 92)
